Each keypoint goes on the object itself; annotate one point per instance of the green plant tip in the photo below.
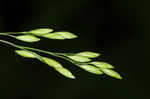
(79, 58)
(60, 35)
(84, 59)
(89, 54)
(27, 38)
(26, 54)
(41, 31)
(101, 64)
(111, 73)
(91, 69)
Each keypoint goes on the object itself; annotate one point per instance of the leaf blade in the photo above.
(65, 72)
(101, 64)
(58, 67)
(41, 31)
(91, 69)
(52, 62)
(112, 73)
(29, 54)
(25, 54)
(89, 54)
(27, 38)
(60, 35)
(79, 58)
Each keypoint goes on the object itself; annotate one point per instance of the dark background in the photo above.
(118, 29)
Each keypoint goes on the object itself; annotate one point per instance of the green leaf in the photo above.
(60, 35)
(41, 31)
(89, 54)
(52, 62)
(79, 58)
(65, 72)
(58, 67)
(111, 73)
(29, 54)
(101, 64)
(91, 69)
(26, 54)
(27, 38)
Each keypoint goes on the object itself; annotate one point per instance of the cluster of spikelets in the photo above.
(81, 59)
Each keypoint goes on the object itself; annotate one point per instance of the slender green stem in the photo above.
(51, 53)
(9, 43)
(22, 47)
(5, 34)
(34, 49)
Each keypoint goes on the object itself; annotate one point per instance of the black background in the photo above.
(118, 29)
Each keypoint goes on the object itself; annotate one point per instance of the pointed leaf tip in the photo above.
(112, 73)
(79, 58)
(89, 54)
(26, 54)
(101, 64)
(65, 72)
(91, 69)
(41, 31)
(60, 35)
(51, 62)
(27, 38)
(58, 67)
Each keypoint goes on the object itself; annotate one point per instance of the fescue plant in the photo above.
(81, 59)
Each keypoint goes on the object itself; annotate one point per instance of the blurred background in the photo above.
(118, 29)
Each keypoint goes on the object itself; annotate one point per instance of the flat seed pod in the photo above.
(101, 64)
(65, 72)
(26, 54)
(111, 73)
(79, 58)
(41, 31)
(27, 38)
(52, 62)
(60, 35)
(89, 54)
(91, 69)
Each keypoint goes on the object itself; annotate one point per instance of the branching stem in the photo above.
(38, 50)
(61, 55)
(82, 59)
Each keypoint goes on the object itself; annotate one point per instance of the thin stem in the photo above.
(22, 47)
(9, 43)
(13, 33)
(34, 49)
(51, 53)
(60, 55)
(5, 34)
